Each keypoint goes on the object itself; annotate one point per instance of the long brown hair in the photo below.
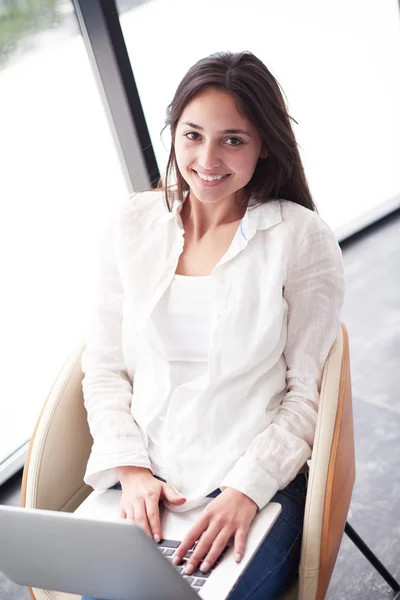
(258, 93)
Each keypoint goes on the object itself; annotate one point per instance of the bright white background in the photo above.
(60, 175)
(339, 64)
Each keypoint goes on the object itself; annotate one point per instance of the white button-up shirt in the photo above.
(249, 422)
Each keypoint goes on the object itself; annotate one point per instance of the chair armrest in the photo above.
(60, 445)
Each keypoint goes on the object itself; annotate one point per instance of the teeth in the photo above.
(208, 178)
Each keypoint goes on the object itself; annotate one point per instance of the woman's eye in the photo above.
(192, 135)
(233, 141)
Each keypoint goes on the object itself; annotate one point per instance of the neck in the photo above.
(201, 218)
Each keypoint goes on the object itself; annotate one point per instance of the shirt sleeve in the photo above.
(314, 292)
(107, 388)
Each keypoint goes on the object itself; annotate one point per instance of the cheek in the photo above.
(183, 154)
(244, 163)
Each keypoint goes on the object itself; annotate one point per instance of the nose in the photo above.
(209, 158)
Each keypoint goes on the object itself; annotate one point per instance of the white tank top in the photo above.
(182, 317)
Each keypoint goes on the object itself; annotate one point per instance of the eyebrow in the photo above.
(225, 131)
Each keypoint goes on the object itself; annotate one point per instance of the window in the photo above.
(60, 175)
(339, 66)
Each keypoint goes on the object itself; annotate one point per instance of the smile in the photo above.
(210, 179)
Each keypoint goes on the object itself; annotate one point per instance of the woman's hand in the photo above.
(229, 514)
(141, 494)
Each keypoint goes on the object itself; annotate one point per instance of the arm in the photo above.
(314, 293)
(106, 385)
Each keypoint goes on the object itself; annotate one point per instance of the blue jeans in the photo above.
(274, 567)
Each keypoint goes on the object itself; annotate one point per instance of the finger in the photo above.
(141, 516)
(171, 495)
(189, 540)
(217, 547)
(127, 512)
(202, 548)
(153, 516)
(130, 513)
(239, 545)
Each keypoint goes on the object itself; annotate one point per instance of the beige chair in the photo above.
(331, 477)
(61, 442)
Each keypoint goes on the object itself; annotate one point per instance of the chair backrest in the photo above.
(331, 475)
(60, 445)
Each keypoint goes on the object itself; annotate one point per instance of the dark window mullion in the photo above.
(102, 33)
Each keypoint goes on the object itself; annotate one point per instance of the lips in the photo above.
(211, 180)
(210, 177)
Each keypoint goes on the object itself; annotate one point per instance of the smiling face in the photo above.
(216, 146)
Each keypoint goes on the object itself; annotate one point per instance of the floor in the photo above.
(372, 315)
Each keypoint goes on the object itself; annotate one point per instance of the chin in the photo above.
(209, 201)
(207, 198)
(211, 196)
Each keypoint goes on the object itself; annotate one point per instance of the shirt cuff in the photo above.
(248, 477)
(101, 471)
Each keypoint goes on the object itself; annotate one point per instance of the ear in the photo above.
(264, 153)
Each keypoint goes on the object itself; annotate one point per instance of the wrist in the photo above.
(128, 472)
(239, 495)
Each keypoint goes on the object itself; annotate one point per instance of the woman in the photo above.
(219, 299)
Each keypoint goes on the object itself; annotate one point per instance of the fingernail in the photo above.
(176, 560)
(189, 569)
(238, 557)
(204, 567)
(156, 538)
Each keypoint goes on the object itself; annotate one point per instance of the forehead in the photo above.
(213, 104)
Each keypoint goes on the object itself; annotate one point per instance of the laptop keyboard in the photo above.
(198, 578)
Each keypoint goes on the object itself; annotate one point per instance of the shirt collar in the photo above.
(259, 217)
(174, 213)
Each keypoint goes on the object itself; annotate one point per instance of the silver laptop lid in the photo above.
(104, 559)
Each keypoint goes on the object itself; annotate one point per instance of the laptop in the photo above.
(93, 552)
